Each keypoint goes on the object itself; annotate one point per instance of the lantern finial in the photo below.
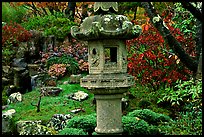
(105, 7)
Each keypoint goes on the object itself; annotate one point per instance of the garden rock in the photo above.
(33, 69)
(76, 110)
(19, 62)
(10, 90)
(4, 107)
(7, 117)
(51, 91)
(34, 46)
(75, 79)
(15, 97)
(33, 128)
(6, 69)
(66, 82)
(22, 79)
(5, 82)
(58, 121)
(80, 96)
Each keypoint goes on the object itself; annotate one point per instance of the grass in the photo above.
(52, 105)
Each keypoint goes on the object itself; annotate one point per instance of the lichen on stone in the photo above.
(156, 19)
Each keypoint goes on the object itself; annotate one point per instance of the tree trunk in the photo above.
(135, 14)
(70, 11)
(196, 13)
(199, 70)
(173, 43)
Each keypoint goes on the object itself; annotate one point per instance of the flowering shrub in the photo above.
(57, 70)
(73, 66)
(79, 51)
(74, 51)
(152, 62)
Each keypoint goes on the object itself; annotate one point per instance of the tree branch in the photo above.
(196, 13)
(173, 43)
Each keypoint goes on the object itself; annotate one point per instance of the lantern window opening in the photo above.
(110, 54)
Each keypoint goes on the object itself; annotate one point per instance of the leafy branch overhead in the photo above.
(164, 31)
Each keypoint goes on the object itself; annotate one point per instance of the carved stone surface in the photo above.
(108, 81)
(105, 6)
(109, 116)
(106, 26)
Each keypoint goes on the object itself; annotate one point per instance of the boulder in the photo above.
(22, 79)
(10, 90)
(33, 69)
(75, 79)
(7, 119)
(15, 97)
(6, 69)
(80, 96)
(19, 62)
(58, 121)
(51, 91)
(33, 128)
(5, 81)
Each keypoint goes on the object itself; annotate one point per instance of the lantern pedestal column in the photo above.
(109, 114)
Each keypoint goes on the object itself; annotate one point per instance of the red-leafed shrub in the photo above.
(12, 35)
(151, 60)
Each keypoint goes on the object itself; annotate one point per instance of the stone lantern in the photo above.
(106, 33)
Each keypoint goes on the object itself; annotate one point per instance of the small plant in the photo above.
(57, 70)
(183, 90)
(72, 131)
(37, 105)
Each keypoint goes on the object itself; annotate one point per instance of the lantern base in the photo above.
(107, 83)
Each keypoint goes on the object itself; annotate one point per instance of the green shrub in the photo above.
(72, 64)
(11, 13)
(149, 116)
(56, 24)
(72, 131)
(85, 122)
(186, 124)
(133, 126)
(187, 89)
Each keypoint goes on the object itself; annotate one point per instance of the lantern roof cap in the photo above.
(103, 7)
(106, 27)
